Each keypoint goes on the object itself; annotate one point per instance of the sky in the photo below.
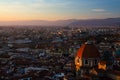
(13, 10)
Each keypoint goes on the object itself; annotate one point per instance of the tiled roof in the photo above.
(88, 51)
(117, 73)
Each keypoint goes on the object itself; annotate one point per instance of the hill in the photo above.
(69, 22)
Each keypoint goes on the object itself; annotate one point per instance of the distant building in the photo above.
(86, 58)
(102, 65)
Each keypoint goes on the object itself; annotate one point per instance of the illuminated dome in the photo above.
(88, 50)
(86, 58)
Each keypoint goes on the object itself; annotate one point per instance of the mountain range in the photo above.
(69, 22)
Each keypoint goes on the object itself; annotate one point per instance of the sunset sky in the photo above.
(11, 10)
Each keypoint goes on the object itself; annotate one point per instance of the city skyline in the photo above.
(13, 10)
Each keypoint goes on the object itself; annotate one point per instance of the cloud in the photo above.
(99, 10)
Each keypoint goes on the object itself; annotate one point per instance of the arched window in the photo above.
(86, 61)
(96, 62)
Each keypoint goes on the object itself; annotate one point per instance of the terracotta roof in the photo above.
(117, 73)
(118, 59)
(88, 51)
(102, 62)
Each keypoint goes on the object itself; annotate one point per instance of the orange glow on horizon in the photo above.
(22, 18)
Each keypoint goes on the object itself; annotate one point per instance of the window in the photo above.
(118, 63)
(96, 61)
(86, 61)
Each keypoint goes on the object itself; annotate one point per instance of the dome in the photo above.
(88, 50)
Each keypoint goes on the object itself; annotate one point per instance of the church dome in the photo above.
(88, 50)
